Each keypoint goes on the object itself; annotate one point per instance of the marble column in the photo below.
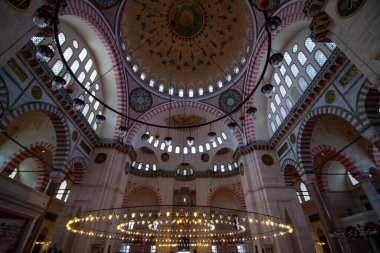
(372, 195)
(325, 216)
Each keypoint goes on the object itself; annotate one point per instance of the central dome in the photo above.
(186, 18)
(186, 48)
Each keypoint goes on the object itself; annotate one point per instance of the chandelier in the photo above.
(167, 224)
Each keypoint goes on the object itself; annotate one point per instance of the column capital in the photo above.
(309, 178)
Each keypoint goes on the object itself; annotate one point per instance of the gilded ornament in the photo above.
(330, 97)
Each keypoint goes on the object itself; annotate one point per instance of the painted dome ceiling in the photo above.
(197, 46)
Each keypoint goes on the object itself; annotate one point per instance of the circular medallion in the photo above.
(347, 8)
(241, 168)
(229, 100)
(205, 157)
(186, 18)
(74, 135)
(127, 168)
(36, 92)
(267, 160)
(165, 157)
(293, 138)
(330, 97)
(105, 3)
(101, 158)
(140, 100)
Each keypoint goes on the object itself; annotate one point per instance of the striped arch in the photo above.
(149, 116)
(374, 153)
(307, 127)
(129, 195)
(290, 170)
(364, 97)
(289, 14)
(239, 195)
(331, 152)
(14, 161)
(60, 126)
(77, 169)
(94, 18)
(3, 96)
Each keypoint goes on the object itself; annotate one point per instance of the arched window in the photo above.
(287, 58)
(283, 112)
(276, 78)
(14, 173)
(305, 193)
(57, 67)
(302, 83)
(330, 45)
(273, 107)
(82, 64)
(310, 71)
(288, 81)
(352, 179)
(61, 190)
(294, 70)
(277, 98)
(68, 53)
(88, 65)
(309, 44)
(273, 126)
(83, 54)
(61, 38)
(278, 120)
(320, 57)
(288, 103)
(301, 58)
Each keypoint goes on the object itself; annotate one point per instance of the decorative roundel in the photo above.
(100, 158)
(74, 135)
(229, 100)
(127, 167)
(140, 100)
(36, 92)
(186, 18)
(105, 3)
(293, 138)
(241, 168)
(205, 157)
(267, 159)
(165, 157)
(330, 97)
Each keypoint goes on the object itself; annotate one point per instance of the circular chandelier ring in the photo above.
(59, 48)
